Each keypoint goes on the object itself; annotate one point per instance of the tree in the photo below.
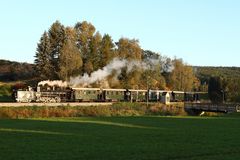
(85, 33)
(182, 76)
(150, 55)
(215, 89)
(70, 61)
(129, 49)
(56, 37)
(94, 52)
(232, 90)
(106, 51)
(152, 77)
(42, 57)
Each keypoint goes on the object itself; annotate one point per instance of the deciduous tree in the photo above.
(70, 61)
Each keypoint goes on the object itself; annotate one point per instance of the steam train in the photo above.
(55, 94)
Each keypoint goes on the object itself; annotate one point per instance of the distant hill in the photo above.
(204, 73)
(12, 71)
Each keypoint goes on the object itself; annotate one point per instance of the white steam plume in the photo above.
(165, 63)
(115, 65)
(53, 83)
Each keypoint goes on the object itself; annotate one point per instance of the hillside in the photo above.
(13, 71)
(204, 73)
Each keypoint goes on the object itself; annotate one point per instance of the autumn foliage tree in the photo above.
(129, 49)
(70, 61)
(65, 52)
(182, 77)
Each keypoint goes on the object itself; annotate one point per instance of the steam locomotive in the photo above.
(55, 94)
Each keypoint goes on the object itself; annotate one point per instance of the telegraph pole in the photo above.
(223, 95)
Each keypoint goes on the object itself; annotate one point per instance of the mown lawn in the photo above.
(122, 138)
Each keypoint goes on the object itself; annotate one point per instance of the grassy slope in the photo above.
(120, 138)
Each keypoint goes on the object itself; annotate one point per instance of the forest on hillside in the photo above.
(15, 71)
(225, 81)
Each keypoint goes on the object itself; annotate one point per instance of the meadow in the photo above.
(140, 138)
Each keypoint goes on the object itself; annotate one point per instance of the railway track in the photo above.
(6, 104)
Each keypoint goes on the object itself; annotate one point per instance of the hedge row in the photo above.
(117, 109)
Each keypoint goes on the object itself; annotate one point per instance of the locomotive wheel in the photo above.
(57, 99)
(52, 100)
(48, 100)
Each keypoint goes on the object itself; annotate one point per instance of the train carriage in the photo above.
(114, 94)
(138, 95)
(87, 94)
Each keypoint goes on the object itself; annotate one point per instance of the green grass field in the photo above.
(114, 138)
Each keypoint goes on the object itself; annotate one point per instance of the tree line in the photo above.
(222, 83)
(65, 51)
(14, 71)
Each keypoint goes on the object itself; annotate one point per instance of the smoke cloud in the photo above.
(53, 83)
(115, 65)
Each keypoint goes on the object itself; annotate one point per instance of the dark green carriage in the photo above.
(114, 94)
(87, 94)
(138, 95)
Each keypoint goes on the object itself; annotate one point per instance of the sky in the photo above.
(201, 32)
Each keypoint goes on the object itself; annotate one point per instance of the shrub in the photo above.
(117, 109)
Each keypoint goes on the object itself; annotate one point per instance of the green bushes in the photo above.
(117, 109)
(167, 110)
(5, 93)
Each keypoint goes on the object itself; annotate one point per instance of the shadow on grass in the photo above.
(64, 126)
(31, 131)
(99, 122)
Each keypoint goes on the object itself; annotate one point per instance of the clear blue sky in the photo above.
(201, 32)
